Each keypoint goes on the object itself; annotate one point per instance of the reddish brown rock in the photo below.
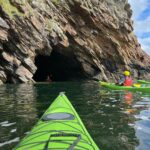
(92, 38)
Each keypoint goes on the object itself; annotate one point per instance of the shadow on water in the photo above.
(116, 120)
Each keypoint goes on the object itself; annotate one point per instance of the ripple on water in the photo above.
(13, 130)
(10, 142)
(115, 119)
(7, 124)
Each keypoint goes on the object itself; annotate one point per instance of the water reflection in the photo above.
(131, 112)
(17, 108)
(142, 124)
(116, 120)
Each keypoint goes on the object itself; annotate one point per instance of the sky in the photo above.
(141, 17)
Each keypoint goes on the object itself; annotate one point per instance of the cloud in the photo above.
(145, 14)
(138, 7)
(145, 43)
(142, 25)
(143, 34)
(141, 17)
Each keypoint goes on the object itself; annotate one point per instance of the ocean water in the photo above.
(116, 120)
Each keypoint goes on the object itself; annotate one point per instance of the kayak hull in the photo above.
(112, 86)
(59, 128)
(143, 82)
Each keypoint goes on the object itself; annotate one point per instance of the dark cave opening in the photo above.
(58, 67)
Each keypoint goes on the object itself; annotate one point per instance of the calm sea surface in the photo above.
(116, 120)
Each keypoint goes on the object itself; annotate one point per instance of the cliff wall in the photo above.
(90, 38)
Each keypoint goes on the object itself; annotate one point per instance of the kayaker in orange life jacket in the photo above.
(126, 80)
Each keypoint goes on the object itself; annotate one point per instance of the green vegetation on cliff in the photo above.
(56, 2)
(9, 8)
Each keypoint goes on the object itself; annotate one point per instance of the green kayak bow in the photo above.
(59, 128)
(113, 86)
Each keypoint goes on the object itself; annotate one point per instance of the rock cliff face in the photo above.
(68, 39)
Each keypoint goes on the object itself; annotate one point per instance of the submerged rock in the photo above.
(94, 36)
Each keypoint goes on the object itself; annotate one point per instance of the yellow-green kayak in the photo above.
(60, 128)
(128, 88)
(143, 82)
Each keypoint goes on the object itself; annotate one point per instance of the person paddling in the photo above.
(126, 80)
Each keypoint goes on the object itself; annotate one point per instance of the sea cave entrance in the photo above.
(57, 67)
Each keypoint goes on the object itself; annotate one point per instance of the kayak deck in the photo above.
(129, 88)
(59, 128)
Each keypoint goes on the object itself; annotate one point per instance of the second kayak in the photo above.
(129, 88)
(59, 128)
(143, 82)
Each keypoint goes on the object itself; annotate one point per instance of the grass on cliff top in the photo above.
(56, 2)
(9, 8)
